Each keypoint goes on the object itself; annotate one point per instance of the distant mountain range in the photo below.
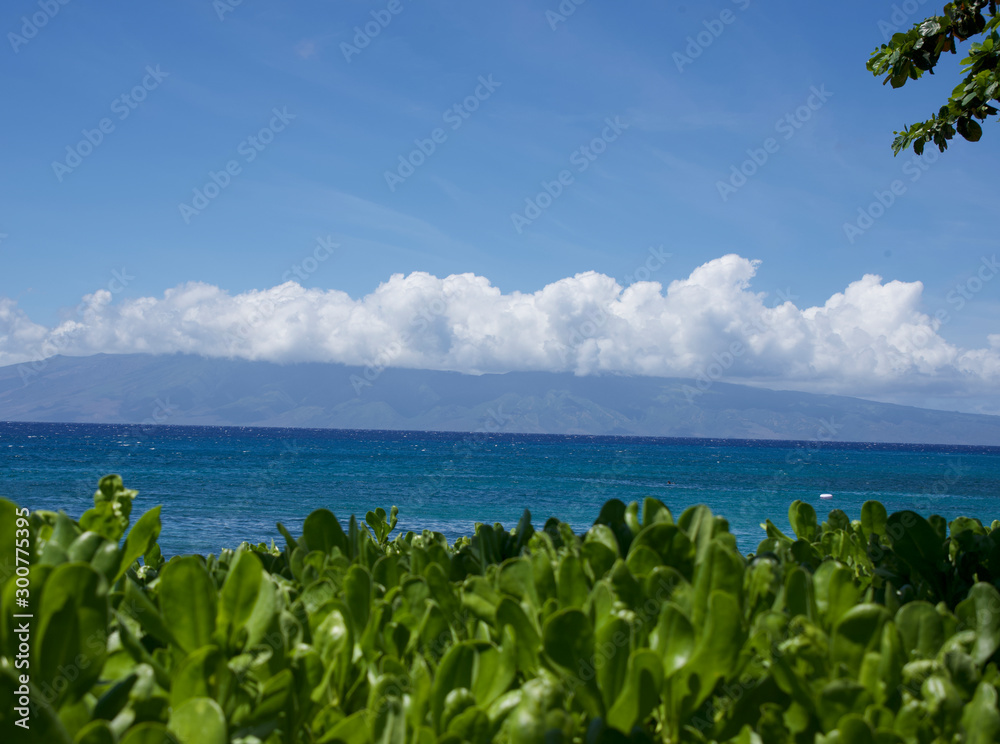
(182, 389)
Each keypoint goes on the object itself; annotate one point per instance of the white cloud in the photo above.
(18, 335)
(872, 339)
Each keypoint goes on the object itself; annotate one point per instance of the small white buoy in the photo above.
(826, 495)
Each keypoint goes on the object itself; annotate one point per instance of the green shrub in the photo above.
(647, 628)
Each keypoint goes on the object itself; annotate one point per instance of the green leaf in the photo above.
(859, 631)
(839, 698)
(517, 578)
(700, 526)
(624, 586)
(456, 671)
(64, 533)
(654, 510)
(918, 544)
(981, 718)
(290, 541)
(873, 518)
(980, 611)
(602, 534)
(376, 520)
(116, 697)
(718, 648)
(640, 693)
(930, 27)
(188, 602)
(239, 595)
(891, 660)
(480, 598)
(568, 639)
(107, 560)
(274, 696)
(612, 658)
(111, 488)
(632, 517)
(112, 509)
(527, 723)
(510, 613)
(969, 129)
(774, 533)
(495, 669)
(95, 732)
(358, 595)
(323, 532)
(802, 517)
(670, 543)
(470, 725)
(613, 516)
(148, 733)
(334, 640)
(389, 724)
(719, 570)
(353, 538)
(598, 557)
(523, 533)
(83, 548)
(835, 592)
(72, 631)
(642, 560)
(386, 571)
(799, 596)
(351, 730)
(673, 638)
(922, 629)
(199, 720)
(855, 729)
(202, 673)
(837, 519)
(573, 589)
(137, 605)
(141, 538)
(145, 661)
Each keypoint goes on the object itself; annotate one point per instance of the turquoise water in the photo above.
(221, 485)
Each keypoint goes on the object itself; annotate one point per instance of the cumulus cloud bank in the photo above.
(869, 339)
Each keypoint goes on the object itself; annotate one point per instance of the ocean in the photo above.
(221, 485)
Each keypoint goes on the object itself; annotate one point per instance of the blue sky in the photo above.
(219, 81)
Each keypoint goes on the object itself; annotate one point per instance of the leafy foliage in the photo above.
(645, 628)
(909, 55)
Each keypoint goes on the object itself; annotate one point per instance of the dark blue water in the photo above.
(221, 485)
